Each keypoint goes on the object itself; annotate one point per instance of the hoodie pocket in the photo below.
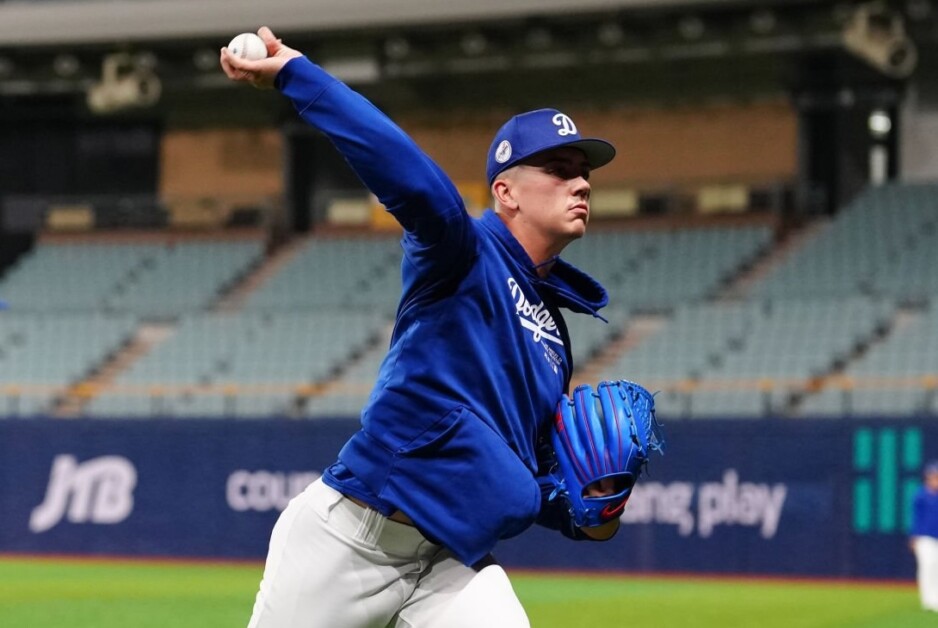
(462, 484)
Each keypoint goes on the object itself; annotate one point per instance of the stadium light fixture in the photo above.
(539, 38)
(474, 43)
(126, 82)
(880, 124)
(397, 48)
(876, 34)
(762, 21)
(691, 27)
(610, 34)
(205, 60)
(66, 65)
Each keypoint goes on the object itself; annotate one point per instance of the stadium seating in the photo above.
(262, 357)
(187, 278)
(657, 270)
(748, 358)
(156, 281)
(336, 272)
(589, 335)
(687, 346)
(310, 339)
(888, 380)
(883, 243)
(43, 353)
(347, 394)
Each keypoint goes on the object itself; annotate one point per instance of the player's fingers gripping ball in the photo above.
(602, 438)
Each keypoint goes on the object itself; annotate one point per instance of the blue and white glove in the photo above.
(602, 435)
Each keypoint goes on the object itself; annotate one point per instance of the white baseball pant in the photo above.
(926, 555)
(334, 564)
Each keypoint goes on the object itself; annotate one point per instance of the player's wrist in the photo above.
(602, 532)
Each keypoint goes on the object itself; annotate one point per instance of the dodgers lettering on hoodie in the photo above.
(479, 356)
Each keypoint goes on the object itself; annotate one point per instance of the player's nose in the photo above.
(581, 188)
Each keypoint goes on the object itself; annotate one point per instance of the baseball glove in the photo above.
(603, 435)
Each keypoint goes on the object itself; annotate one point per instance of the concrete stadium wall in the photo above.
(221, 163)
(805, 497)
(657, 148)
(756, 142)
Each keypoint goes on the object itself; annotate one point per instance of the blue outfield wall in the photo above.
(792, 497)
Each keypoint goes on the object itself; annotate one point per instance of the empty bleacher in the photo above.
(336, 272)
(898, 376)
(150, 280)
(659, 270)
(41, 354)
(252, 363)
(347, 394)
(829, 332)
(749, 358)
(883, 243)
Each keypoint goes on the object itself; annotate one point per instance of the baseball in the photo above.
(248, 46)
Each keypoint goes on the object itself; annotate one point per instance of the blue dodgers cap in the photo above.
(931, 467)
(530, 133)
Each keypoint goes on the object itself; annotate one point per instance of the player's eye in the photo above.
(559, 171)
(566, 171)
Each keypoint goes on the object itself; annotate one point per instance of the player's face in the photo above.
(553, 193)
(931, 482)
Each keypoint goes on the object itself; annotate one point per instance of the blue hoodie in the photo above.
(479, 356)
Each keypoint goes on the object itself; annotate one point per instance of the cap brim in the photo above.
(598, 152)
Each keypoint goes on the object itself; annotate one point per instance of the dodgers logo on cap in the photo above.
(528, 134)
(565, 123)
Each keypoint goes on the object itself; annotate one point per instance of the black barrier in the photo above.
(790, 497)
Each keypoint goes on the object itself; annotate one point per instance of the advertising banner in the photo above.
(785, 497)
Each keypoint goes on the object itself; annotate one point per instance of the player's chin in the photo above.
(576, 227)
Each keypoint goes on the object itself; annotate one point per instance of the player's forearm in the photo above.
(386, 159)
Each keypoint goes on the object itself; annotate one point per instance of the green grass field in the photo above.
(52, 594)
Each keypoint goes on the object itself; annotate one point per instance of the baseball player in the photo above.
(924, 537)
(448, 460)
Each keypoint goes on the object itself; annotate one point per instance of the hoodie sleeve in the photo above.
(409, 184)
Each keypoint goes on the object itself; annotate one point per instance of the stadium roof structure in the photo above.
(25, 24)
(440, 50)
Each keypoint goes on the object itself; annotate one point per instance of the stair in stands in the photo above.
(743, 283)
(77, 397)
(639, 328)
(237, 296)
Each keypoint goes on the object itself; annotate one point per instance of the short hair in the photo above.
(496, 206)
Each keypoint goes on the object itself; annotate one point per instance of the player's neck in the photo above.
(542, 248)
(542, 251)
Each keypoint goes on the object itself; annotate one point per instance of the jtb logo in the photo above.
(95, 491)
(886, 464)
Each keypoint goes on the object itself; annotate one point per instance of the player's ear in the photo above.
(503, 193)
